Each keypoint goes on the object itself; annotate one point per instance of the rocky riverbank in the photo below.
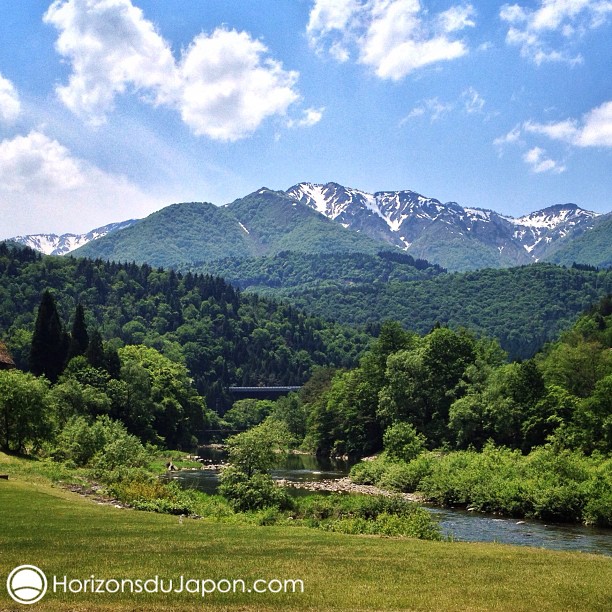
(345, 485)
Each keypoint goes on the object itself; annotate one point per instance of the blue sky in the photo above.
(110, 109)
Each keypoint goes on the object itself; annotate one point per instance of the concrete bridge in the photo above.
(261, 392)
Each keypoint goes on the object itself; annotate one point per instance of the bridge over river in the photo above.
(262, 392)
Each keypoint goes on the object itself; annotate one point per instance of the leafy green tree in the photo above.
(246, 483)
(161, 403)
(257, 450)
(247, 413)
(71, 398)
(576, 365)
(25, 418)
(102, 443)
(291, 411)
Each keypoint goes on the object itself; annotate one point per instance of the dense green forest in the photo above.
(522, 307)
(222, 336)
(311, 271)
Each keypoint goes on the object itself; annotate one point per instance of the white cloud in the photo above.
(334, 19)
(229, 87)
(10, 107)
(594, 130)
(393, 37)
(512, 137)
(224, 86)
(311, 117)
(34, 162)
(473, 102)
(110, 46)
(536, 158)
(43, 187)
(545, 34)
(432, 108)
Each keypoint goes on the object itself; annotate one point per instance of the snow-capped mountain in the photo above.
(448, 234)
(455, 237)
(539, 229)
(52, 244)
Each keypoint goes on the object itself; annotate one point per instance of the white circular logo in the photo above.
(26, 584)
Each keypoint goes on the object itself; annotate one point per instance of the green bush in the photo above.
(367, 514)
(402, 442)
(368, 472)
(246, 493)
(104, 444)
(550, 484)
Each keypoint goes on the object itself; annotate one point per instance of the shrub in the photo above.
(368, 472)
(104, 444)
(246, 493)
(369, 515)
(402, 442)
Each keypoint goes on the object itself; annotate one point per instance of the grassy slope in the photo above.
(66, 535)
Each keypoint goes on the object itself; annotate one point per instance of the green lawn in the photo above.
(64, 534)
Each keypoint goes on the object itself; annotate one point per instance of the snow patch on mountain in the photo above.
(407, 215)
(54, 244)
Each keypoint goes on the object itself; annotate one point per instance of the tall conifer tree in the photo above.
(79, 338)
(48, 351)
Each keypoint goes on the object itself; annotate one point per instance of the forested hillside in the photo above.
(522, 307)
(222, 336)
(308, 271)
(593, 247)
(263, 223)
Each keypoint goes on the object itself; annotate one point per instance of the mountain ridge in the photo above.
(422, 225)
(266, 222)
(61, 244)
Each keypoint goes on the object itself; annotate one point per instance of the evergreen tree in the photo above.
(49, 346)
(95, 351)
(79, 338)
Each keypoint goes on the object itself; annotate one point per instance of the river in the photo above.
(462, 525)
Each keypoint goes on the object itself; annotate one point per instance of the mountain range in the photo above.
(448, 234)
(54, 244)
(314, 218)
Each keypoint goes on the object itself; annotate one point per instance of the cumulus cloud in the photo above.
(41, 179)
(34, 162)
(333, 20)
(224, 85)
(546, 33)
(10, 107)
(593, 130)
(229, 88)
(393, 37)
(538, 161)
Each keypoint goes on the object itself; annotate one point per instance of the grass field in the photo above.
(66, 535)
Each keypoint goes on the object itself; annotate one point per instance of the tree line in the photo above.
(222, 336)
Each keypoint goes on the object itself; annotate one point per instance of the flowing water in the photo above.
(462, 525)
